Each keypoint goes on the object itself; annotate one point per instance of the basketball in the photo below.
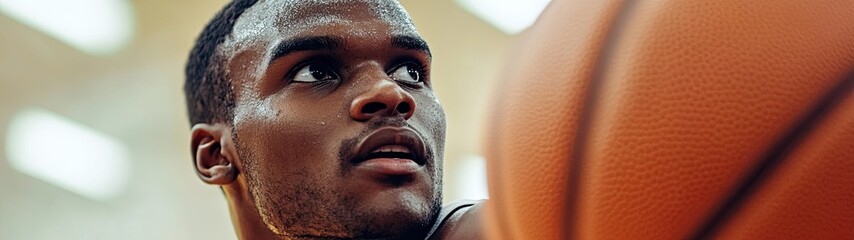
(676, 120)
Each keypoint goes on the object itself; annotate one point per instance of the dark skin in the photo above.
(318, 87)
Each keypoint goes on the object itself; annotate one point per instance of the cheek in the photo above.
(288, 136)
(431, 116)
(435, 113)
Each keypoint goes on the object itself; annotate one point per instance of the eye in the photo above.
(314, 73)
(409, 73)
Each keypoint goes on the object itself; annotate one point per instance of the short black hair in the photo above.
(207, 88)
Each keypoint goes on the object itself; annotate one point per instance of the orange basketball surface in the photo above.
(675, 119)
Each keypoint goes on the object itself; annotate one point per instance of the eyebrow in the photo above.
(411, 43)
(285, 48)
(306, 44)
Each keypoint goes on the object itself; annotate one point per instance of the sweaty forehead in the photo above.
(291, 17)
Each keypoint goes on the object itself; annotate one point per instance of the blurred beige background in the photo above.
(135, 96)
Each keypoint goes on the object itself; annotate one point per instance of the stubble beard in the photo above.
(315, 211)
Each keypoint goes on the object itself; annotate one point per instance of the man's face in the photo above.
(336, 124)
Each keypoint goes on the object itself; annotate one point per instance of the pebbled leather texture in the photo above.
(677, 119)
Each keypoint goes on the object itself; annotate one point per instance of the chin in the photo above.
(407, 217)
(396, 225)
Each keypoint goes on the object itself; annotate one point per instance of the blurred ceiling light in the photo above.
(510, 16)
(97, 27)
(67, 154)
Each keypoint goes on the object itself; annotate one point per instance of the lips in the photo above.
(391, 143)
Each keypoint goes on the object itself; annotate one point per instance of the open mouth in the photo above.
(391, 143)
(392, 152)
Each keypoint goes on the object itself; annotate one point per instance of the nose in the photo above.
(384, 98)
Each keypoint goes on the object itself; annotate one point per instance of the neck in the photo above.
(245, 218)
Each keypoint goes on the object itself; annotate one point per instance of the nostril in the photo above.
(403, 107)
(373, 107)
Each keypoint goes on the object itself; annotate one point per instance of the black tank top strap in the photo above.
(448, 211)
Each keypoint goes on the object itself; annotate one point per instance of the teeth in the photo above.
(392, 148)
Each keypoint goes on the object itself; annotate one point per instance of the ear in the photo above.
(214, 153)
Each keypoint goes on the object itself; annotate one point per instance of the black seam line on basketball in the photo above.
(773, 158)
(593, 89)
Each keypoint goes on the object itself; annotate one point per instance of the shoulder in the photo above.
(458, 220)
